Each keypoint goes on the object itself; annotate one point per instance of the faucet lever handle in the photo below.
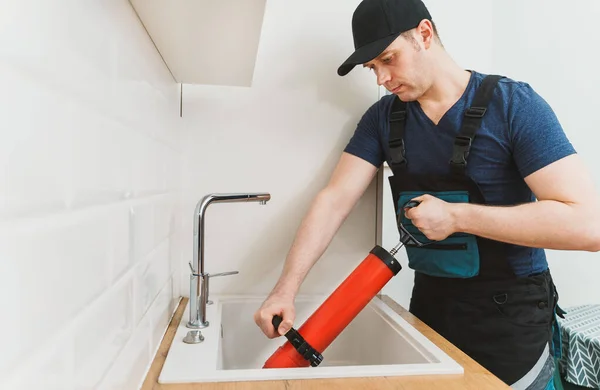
(210, 276)
(223, 274)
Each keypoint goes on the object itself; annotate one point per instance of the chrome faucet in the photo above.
(198, 278)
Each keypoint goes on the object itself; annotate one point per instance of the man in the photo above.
(495, 181)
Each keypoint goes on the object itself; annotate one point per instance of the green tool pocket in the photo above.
(455, 257)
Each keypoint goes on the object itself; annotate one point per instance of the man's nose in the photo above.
(382, 77)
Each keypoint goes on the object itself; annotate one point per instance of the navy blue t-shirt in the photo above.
(520, 134)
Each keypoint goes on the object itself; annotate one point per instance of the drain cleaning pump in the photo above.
(304, 346)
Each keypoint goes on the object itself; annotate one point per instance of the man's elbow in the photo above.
(594, 245)
(592, 238)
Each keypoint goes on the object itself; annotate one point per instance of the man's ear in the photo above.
(424, 33)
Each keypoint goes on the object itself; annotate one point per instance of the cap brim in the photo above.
(366, 53)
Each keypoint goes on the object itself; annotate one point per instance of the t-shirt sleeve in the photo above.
(537, 136)
(365, 140)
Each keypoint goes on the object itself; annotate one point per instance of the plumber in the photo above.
(497, 181)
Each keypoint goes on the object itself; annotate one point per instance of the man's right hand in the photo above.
(276, 304)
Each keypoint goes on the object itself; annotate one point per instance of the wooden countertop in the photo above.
(475, 377)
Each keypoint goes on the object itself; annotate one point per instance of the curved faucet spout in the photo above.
(199, 278)
(202, 205)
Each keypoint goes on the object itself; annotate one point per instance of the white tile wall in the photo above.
(151, 276)
(128, 370)
(89, 153)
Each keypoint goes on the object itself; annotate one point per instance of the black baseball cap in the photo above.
(375, 25)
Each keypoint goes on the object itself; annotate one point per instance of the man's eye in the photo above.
(386, 60)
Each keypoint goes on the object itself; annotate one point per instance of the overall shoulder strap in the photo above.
(396, 139)
(471, 122)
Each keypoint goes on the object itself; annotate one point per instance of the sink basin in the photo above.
(378, 342)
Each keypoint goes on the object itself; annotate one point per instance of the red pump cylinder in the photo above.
(340, 308)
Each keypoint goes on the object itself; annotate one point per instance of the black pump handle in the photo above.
(276, 321)
(410, 204)
(298, 342)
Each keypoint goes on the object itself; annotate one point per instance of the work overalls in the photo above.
(464, 286)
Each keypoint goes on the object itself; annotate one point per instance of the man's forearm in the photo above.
(312, 238)
(543, 224)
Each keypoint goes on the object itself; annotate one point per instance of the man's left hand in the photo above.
(433, 217)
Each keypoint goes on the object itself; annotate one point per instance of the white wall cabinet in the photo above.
(205, 42)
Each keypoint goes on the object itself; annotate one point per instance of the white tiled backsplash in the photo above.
(89, 150)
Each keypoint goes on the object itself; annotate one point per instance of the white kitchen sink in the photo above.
(378, 342)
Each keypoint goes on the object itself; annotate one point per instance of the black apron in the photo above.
(464, 286)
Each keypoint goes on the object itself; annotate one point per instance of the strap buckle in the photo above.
(463, 141)
(460, 153)
(397, 151)
(475, 112)
(397, 142)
